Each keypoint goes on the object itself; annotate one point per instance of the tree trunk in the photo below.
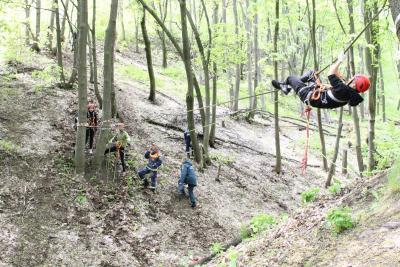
(189, 76)
(362, 70)
(276, 104)
(64, 20)
(383, 100)
(246, 15)
(27, 22)
(38, 8)
(235, 106)
(395, 8)
(94, 56)
(147, 45)
(256, 55)
(371, 56)
(82, 87)
(355, 112)
(59, 47)
(163, 8)
(121, 18)
(135, 15)
(336, 151)
(180, 52)
(89, 41)
(319, 119)
(214, 83)
(107, 91)
(50, 30)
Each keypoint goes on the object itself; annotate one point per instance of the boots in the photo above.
(282, 86)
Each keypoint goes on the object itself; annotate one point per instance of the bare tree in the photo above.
(276, 104)
(235, 106)
(108, 82)
(147, 47)
(82, 87)
(189, 76)
(94, 56)
(59, 47)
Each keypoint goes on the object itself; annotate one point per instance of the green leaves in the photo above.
(340, 219)
(309, 195)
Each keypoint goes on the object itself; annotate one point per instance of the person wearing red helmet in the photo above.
(335, 95)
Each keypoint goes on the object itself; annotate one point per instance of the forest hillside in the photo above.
(108, 109)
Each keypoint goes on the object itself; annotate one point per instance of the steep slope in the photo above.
(306, 239)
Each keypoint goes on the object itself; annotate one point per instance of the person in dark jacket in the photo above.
(92, 123)
(188, 176)
(338, 95)
(154, 162)
(188, 142)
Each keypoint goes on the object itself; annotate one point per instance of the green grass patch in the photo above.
(8, 146)
(310, 195)
(394, 178)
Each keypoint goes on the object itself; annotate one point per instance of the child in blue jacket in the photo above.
(188, 176)
(153, 163)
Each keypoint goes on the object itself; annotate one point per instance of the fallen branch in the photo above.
(177, 128)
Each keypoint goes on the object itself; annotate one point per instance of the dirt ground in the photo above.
(50, 217)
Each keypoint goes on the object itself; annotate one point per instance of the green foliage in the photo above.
(394, 178)
(340, 219)
(335, 188)
(216, 248)
(175, 72)
(46, 78)
(81, 197)
(8, 146)
(64, 165)
(309, 195)
(261, 222)
(222, 158)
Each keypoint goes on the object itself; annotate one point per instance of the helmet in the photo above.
(362, 83)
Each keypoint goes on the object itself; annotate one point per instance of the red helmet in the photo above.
(362, 82)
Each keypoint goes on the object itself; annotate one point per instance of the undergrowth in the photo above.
(309, 195)
(340, 219)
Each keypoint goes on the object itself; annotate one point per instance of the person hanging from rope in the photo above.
(187, 176)
(313, 93)
(119, 142)
(92, 123)
(153, 155)
(188, 142)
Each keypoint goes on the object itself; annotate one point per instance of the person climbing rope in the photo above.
(154, 162)
(118, 143)
(313, 93)
(92, 123)
(188, 176)
(188, 142)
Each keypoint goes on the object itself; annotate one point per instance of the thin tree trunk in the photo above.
(180, 52)
(362, 70)
(395, 8)
(336, 151)
(64, 20)
(108, 58)
(50, 30)
(214, 84)
(256, 55)
(235, 106)
(355, 112)
(89, 41)
(121, 18)
(383, 100)
(147, 45)
(189, 76)
(59, 47)
(319, 119)
(135, 16)
(371, 56)
(276, 104)
(249, 50)
(82, 88)
(27, 22)
(38, 8)
(94, 56)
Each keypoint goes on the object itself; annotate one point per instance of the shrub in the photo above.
(261, 222)
(335, 188)
(309, 195)
(216, 248)
(340, 219)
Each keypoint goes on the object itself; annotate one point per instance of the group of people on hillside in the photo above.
(121, 140)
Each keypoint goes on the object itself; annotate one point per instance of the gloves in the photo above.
(341, 57)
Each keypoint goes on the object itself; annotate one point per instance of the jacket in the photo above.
(153, 163)
(122, 137)
(188, 176)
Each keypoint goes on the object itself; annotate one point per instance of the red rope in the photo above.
(307, 111)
